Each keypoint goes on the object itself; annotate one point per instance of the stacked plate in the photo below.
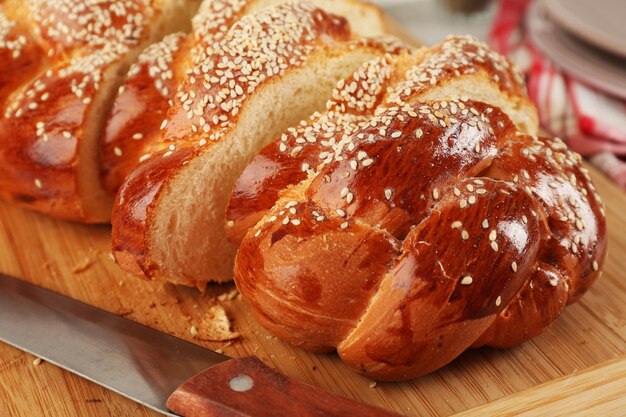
(586, 38)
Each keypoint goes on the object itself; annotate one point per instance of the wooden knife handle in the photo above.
(248, 388)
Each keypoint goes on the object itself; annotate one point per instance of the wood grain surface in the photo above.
(578, 367)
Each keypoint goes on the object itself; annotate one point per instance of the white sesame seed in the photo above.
(117, 151)
(138, 136)
(436, 194)
(341, 213)
(396, 134)
(467, 280)
(295, 222)
(493, 235)
(388, 193)
(494, 246)
(286, 220)
(419, 133)
(514, 266)
(498, 301)
(485, 224)
(595, 266)
(344, 225)
(257, 234)
(38, 183)
(465, 235)
(457, 225)
(368, 162)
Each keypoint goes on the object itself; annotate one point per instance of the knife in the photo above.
(152, 368)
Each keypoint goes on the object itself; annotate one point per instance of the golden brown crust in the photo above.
(140, 107)
(490, 232)
(59, 55)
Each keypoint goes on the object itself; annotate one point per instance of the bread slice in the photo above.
(151, 84)
(75, 55)
(271, 70)
(459, 67)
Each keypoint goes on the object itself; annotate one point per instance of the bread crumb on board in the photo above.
(228, 296)
(37, 361)
(87, 262)
(83, 265)
(215, 327)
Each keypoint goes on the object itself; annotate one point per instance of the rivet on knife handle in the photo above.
(248, 388)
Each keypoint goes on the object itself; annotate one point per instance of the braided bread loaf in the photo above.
(415, 223)
(270, 70)
(62, 62)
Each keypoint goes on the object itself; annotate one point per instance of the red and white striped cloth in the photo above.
(592, 122)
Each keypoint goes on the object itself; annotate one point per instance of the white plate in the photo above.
(599, 22)
(604, 71)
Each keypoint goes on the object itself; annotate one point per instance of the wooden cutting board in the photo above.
(577, 367)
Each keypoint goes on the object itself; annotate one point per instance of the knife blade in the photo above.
(150, 367)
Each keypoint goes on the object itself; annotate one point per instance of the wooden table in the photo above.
(578, 367)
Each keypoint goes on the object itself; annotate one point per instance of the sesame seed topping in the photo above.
(467, 280)
(595, 266)
(494, 246)
(38, 183)
(493, 235)
(465, 235)
(514, 266)
(485, 224)
(457, 225)
(498, 301)
(388, 193)
(344, 225)
(117, 151)
(436, 194)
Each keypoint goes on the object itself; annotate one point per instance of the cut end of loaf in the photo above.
(188, 236)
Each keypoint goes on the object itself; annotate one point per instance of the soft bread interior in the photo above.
(173, 16)
(188, 236)
(365, 19)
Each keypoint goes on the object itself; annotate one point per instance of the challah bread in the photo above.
(269, 71)
(421, 228)
(63, 61)
(151, 84)
(458, 67)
